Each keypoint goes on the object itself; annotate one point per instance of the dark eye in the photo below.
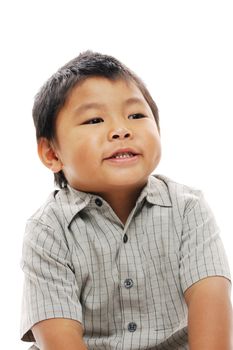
(94, 121)
(136, 116)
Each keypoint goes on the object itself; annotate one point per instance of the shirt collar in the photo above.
(73, 201)
(156, 191)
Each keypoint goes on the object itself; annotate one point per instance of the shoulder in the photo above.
(49, 212)
(50, 217)
(56, 214)
(179, 190)
(46, 227)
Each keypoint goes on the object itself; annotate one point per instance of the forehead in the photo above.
(104, 91)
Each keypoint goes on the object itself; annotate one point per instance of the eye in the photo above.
(136, 116)
(94, 121)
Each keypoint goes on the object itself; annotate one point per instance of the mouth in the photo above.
(123, 154)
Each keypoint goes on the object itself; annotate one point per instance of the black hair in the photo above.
(53, 94)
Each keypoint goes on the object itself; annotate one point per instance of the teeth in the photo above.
(123, 155)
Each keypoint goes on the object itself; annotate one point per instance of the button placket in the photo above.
(127, 283)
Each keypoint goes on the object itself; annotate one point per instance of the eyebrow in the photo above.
(134, 100)
(95, 105)
(92, 105)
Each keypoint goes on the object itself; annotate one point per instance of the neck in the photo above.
(122, 201)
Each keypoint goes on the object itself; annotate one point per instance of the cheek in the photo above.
(154, 145)
(153, 138)
(86, 153)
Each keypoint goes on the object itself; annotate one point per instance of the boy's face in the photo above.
(106, 137)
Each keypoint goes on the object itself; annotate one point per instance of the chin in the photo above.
(128, 182)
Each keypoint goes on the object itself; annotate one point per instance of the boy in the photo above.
(117, 258)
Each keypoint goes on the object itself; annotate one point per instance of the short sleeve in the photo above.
(50, 287)
(202, 251)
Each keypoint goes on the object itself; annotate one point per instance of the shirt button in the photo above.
(128, 283)
(98, 202)
(125, 238)
(132, 327)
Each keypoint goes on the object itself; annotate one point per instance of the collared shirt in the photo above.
(124, 283)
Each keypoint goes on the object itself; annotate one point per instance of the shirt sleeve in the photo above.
(50, 287)
(202, 251)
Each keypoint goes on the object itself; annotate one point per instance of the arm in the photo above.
(50, 287)
(210, 324)
(59, 334)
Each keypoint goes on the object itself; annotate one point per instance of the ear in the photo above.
(48, 155)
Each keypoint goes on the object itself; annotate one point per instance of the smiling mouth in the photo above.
(124, 158)
(122, 155)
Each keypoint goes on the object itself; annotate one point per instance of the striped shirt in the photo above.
(124, 283)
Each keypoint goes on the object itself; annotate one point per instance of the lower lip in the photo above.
(125, 161)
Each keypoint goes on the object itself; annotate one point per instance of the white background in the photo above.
(183, 52)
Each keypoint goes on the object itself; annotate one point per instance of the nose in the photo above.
(120, 134)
